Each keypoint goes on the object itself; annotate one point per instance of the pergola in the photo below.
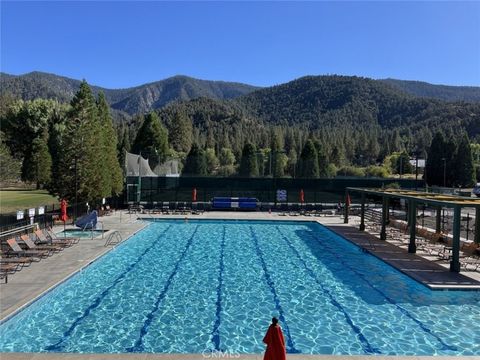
(413, 198)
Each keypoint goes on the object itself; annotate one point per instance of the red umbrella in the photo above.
(347, 200)
(302, 196)
(194, 194)
(63, 211)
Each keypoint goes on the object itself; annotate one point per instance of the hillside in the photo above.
(139, 99)
(350, 112)
(442, 92)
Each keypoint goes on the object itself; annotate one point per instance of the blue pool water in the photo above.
(202, 286)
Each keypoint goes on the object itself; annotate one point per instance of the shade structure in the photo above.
(302, 196)
(194, 194)
(63, 210)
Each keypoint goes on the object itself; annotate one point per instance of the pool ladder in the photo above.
(114, 238)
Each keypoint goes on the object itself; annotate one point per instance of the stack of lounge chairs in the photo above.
(22, 251)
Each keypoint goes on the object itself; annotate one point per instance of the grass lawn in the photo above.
(12, 200)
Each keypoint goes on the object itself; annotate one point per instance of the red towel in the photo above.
(275, 344)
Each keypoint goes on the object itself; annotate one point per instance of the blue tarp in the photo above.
(88, 221)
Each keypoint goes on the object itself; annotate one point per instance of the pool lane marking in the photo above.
(138, 347)
(216, 326)
(445, 346)
(58, 346)
(367, 347)
(290, 344)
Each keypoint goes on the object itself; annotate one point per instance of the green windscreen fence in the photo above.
(157, 189)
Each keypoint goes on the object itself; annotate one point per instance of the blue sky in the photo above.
(122, 44)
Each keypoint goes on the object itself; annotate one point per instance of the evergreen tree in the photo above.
(227, 162)
(465, 170)
(152, 140)
(10, 167)
(249, 164)
(112, 181)
(212, 161)
(403, 165)
(440, 161)
(37, 166)
(196, 163)
(180, 132)
(79, 168)
(123, 147)
(308, 162)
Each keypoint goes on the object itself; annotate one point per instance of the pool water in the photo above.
(80, 233)
(204, 286)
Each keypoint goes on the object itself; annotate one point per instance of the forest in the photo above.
(315, 126)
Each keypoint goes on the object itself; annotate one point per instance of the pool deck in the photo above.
(31, 282)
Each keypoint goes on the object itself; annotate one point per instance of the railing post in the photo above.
(477, 225)
(383, 232)
(362, 213)
(347, 205)
(438, 220)
(455, 262)
(412, 213)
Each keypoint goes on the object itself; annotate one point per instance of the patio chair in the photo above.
(17, 250)
(473, 261)
(32, 246)
(51, 234)
(22, 261)
(43, 240)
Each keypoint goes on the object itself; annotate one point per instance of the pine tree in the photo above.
(403, 165)
(152, 140)
(308, 162)
(123, 146)
(37, 166)
(180, 132)
(248, 164)
(212, 161)
(113, 181)
(10, 167)
(465, 171)
(196, 163)
(80, 168)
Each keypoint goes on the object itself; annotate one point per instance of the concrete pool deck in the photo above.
(31, 282)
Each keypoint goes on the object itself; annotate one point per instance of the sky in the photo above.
(118, 44)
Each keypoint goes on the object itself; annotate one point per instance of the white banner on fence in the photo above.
(41, 210)
(19, 214)
(31, 212)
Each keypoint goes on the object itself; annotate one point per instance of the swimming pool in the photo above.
(202, 286)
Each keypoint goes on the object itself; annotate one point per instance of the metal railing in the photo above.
(114, 238)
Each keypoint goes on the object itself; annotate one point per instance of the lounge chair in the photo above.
(22, 261)
(32, 246)
(43, 240)
(18, 251)
(51, 234)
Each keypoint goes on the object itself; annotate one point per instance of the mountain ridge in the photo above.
(133, 100)
(154, 95)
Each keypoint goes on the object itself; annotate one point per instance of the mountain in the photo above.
(139, 99)
(442, 92)
(344, 111)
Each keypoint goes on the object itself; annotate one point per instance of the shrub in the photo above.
(377, 171)
(351, 171)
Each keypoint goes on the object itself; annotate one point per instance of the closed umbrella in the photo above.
(194, 195)
(63, 213)
(302, 196)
